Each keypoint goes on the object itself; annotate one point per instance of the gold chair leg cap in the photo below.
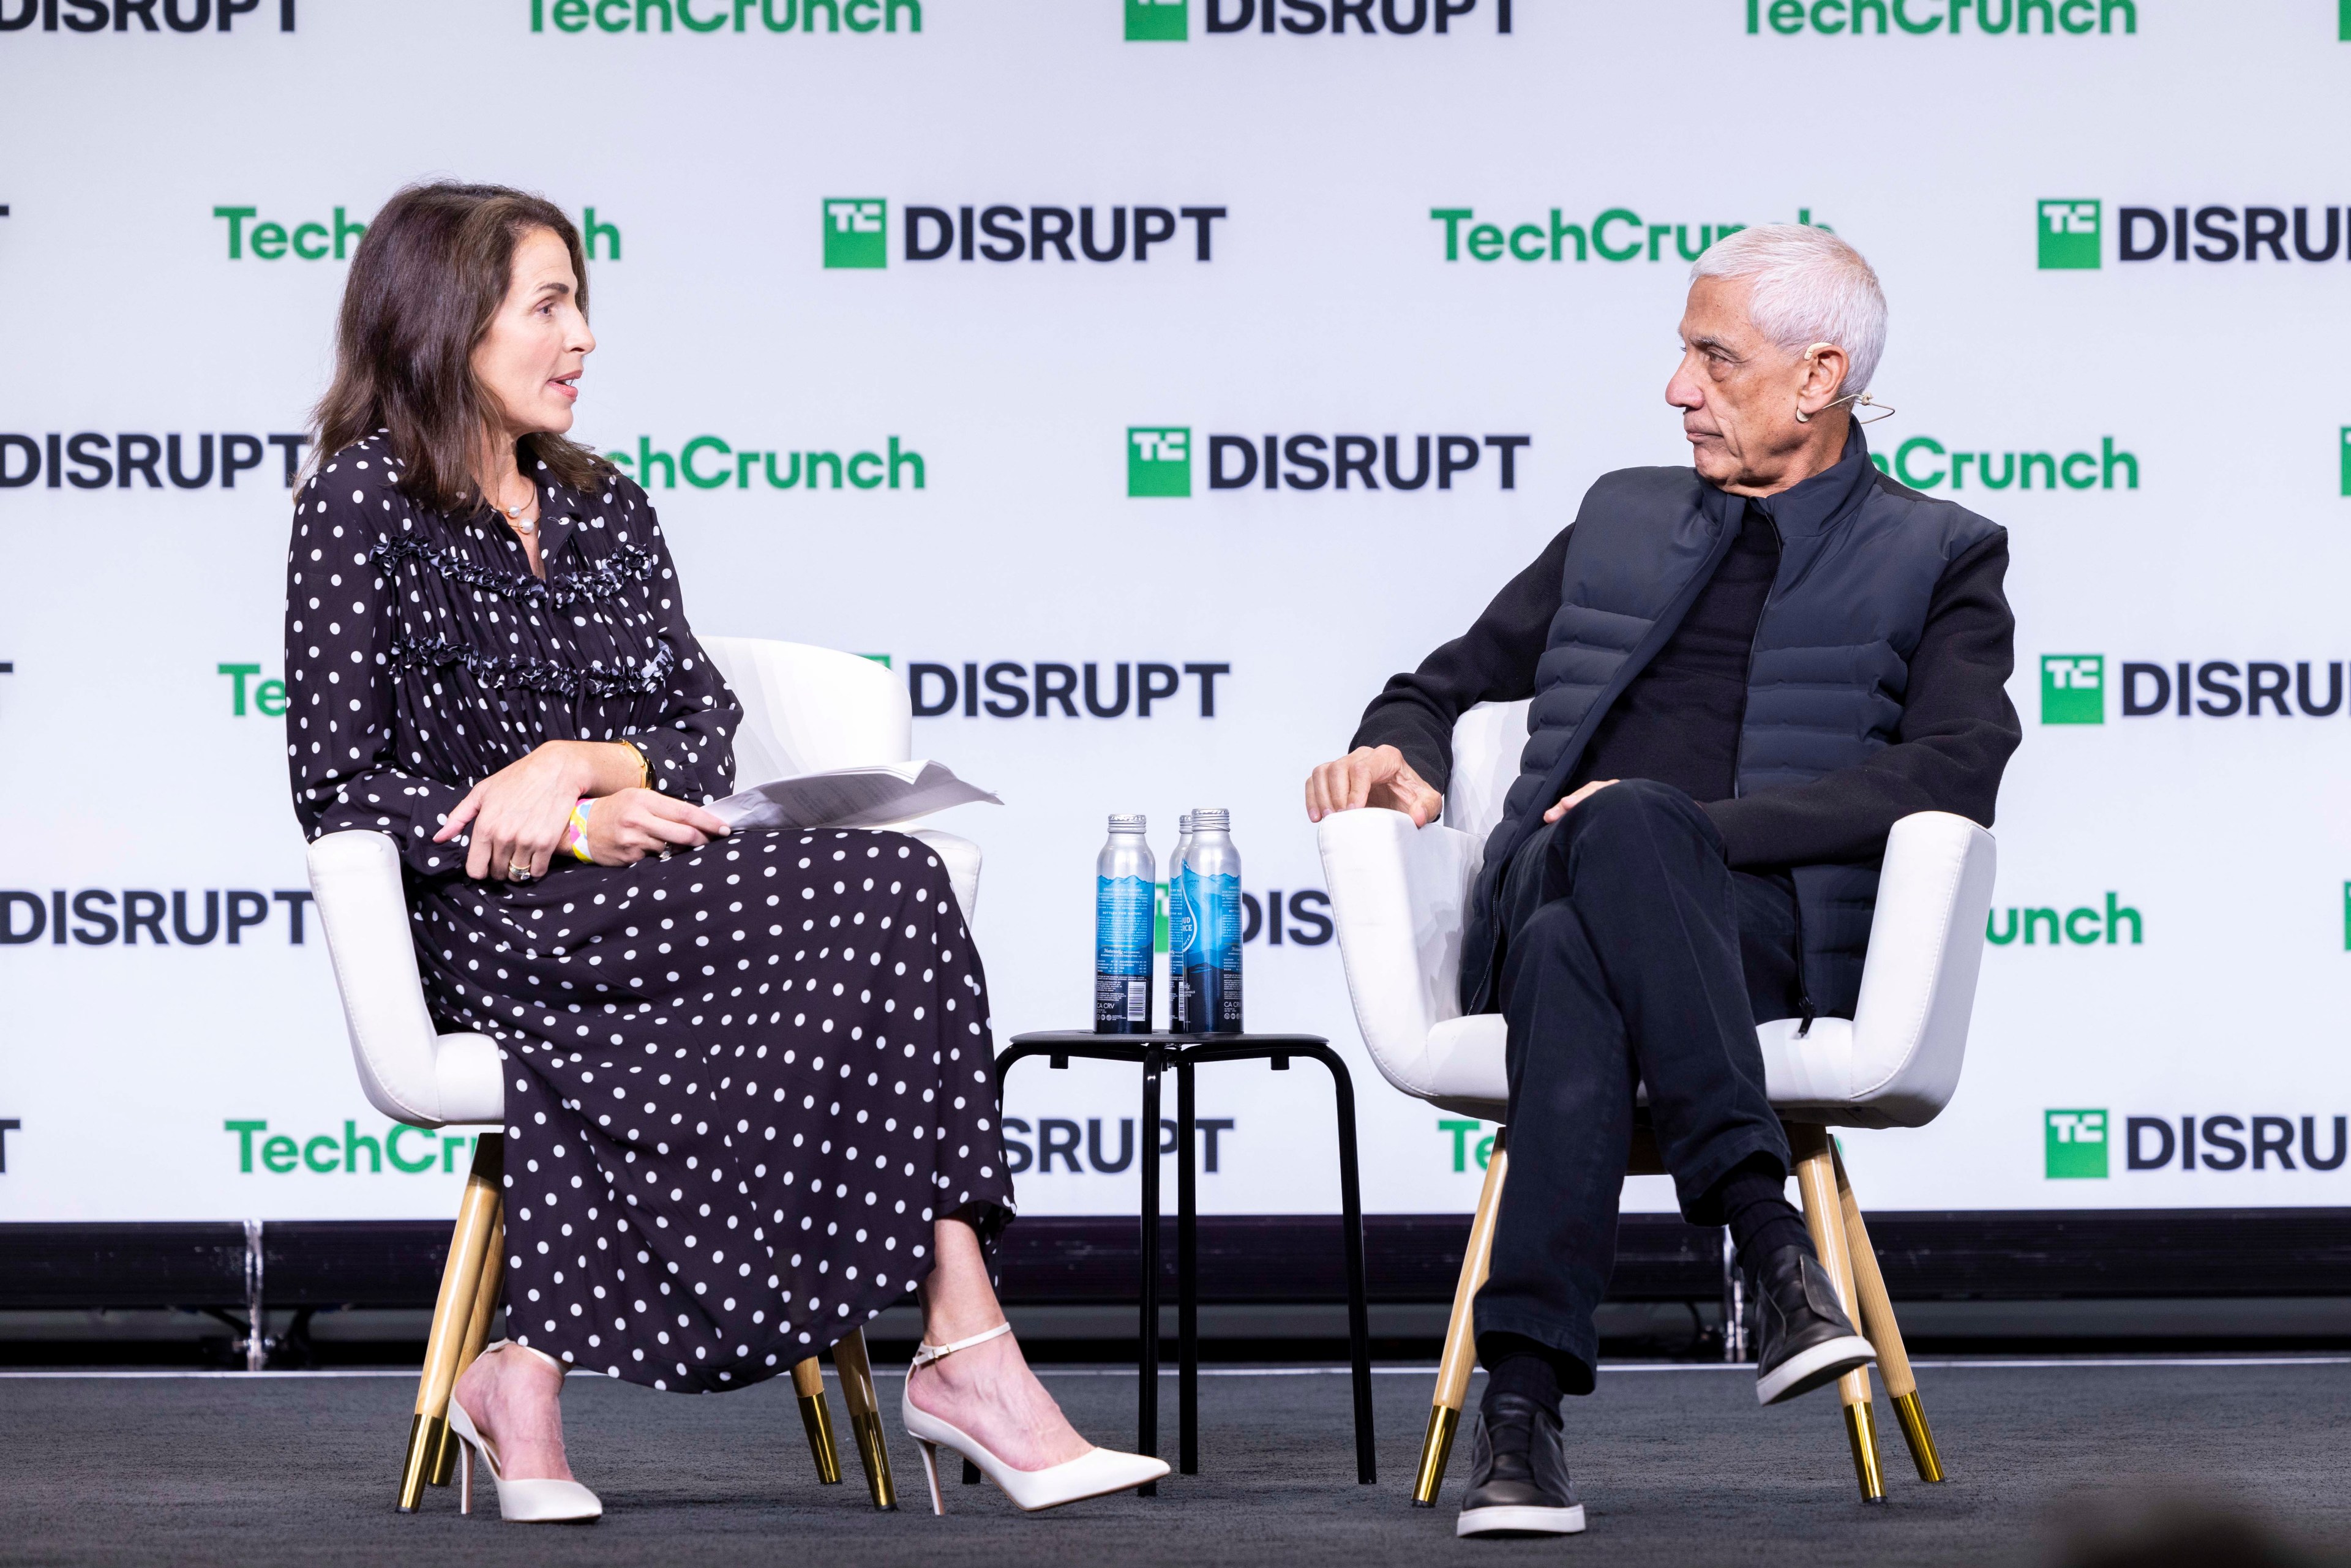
(1435, 1451)
(426, 1436)
(1912, 1417)
(1861, 1430)
(818, 1420)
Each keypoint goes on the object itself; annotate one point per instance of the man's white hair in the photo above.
(1809, 286)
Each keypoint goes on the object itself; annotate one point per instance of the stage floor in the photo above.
(1677, 1465)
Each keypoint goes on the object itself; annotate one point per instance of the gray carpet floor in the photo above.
(1676, 1466)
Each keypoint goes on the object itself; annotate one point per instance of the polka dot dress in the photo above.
(742, 1081)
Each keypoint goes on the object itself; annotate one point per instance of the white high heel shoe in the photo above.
(1091, 1474)
(534, 1502)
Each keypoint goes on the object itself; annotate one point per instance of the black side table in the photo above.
(1156, 1053)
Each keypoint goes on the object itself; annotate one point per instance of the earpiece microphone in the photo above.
(1859, 399)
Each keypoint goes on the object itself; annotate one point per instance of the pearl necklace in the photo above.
(515, 521)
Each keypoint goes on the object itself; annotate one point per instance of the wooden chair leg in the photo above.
(856, 1371)
(452, 1315)
(1885, 1334)
(1460, 1336)
(1816, 1179)
(808, 1382)
(477, 1331)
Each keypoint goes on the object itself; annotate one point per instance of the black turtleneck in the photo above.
(1678, 721)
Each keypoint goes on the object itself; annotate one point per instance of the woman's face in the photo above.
(531, 357)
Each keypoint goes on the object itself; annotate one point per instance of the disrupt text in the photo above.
(1054, 683)
(1309, 16)
(94, 15)
(1009, 233)
(1234, 463)
(100, 918)
(90, 460)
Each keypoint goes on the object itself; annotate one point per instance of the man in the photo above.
(1743, 673)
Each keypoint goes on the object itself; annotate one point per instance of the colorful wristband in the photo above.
(575, 836)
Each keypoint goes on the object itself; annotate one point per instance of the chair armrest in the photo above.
(1926, 947)
(807, 708)
(1398, 895)
(355, 876)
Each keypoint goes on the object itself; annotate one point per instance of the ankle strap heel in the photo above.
(927, 1352)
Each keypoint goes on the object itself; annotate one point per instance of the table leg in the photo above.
(1351, 1203)
(1155, 1063)
(1188, 1282)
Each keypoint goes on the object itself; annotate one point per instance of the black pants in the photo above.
(1631, 955)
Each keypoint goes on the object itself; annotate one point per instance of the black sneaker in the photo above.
(1518, 1474)
(1803, 1339)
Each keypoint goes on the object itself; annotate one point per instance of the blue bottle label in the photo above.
(1212, 960)
(1124, 910)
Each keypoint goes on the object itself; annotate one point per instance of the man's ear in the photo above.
(1825, 367)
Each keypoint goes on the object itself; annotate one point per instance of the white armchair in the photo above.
(804, 708)
(1399, 894)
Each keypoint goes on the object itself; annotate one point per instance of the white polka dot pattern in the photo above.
(742, 1081)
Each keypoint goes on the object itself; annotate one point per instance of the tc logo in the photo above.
(2073, 688)
(856, 231)
(2076, 1141)
(2069, 234)
(1158, 459)
(1157, 21)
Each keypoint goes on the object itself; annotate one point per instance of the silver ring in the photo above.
(518, 872)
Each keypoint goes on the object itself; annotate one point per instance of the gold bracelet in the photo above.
(645, 768)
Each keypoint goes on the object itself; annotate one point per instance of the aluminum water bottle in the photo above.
(1180, 932)
(1211, 875)
(1125, 894)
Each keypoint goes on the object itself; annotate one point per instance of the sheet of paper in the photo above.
(875, 795)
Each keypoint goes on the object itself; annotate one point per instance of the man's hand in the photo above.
(1571, 802)
(630, 824)
(1371, 776)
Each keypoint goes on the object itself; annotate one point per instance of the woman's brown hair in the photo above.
(429, 276)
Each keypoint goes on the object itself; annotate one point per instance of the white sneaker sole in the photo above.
(1803, 1372)
(1521, 1520)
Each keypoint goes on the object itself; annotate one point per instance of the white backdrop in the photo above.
(1327, 305)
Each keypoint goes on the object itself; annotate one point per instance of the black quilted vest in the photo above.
(1859, 559)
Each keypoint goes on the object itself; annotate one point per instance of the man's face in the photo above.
(1736, 391)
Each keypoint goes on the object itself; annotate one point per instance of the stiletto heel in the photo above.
(1091, 1474)
(534, 1501)
(931, 1474)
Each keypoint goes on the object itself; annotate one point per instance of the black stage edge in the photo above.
(2044, 1255)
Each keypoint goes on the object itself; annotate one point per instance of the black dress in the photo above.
(742, 1079)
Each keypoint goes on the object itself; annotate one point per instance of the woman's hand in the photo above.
(518, 814)
(626, 827)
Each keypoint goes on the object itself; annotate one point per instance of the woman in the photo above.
(749, 1101)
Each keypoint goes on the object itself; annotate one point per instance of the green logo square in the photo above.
(1167, 21)
(2073, 688)
(2069, 234)
(2347, 429)
(856, 231)
(2076, 1145)
(1158, 460)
